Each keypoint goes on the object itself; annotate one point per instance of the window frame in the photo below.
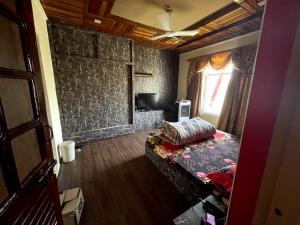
(204, 87)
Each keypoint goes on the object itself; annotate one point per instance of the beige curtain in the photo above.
(235, 104)
(194, 83)
(194, 80)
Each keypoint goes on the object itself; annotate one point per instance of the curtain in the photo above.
(220, 60)
(235, 103)
(194, 80)
(194, 83)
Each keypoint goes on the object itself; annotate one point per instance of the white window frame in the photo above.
(204, 87)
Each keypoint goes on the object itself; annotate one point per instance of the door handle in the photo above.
(50, 132)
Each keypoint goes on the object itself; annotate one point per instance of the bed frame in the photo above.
(194, 190)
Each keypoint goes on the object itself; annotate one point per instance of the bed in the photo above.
(187, 166)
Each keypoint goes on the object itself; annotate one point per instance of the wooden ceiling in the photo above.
(231, 21)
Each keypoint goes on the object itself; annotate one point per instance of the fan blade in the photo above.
(175, 40)
(175, 34)
(185, 33)
(165, 35)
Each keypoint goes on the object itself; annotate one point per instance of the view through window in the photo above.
(215, 84)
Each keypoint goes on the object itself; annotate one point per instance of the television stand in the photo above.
(149, 119)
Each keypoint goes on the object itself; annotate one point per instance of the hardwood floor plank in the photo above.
(120, 184)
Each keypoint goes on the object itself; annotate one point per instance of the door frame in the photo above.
(275, 47)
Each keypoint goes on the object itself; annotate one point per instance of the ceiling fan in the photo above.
(166, 23)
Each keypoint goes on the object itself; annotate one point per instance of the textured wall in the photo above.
(94, 93)
(149, 119)
(164, 68)
(94, 82)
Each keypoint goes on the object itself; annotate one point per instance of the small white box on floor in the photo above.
(72, 203)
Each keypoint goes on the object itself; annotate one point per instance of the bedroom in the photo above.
(106, 74)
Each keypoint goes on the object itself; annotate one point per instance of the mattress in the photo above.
(187, 166)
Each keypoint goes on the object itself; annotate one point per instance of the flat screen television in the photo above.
(146, 101)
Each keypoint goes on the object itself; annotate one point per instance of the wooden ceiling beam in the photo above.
(251, 6)
(221, 12)
(227, 27)
(109, 7)
(94, 6)
(83, 13)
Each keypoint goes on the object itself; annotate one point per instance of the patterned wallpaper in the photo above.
(164, 68)
(149, 119)
(114, 47)
(93, 73)
(94, 93)
(67, 40)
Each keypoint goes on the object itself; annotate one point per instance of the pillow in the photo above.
(187, 131)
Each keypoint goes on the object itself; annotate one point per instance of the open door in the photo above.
(28, 188)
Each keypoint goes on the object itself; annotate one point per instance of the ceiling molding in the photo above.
(221, 12)
(235, 24)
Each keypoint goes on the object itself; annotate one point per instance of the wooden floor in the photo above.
(121, 185)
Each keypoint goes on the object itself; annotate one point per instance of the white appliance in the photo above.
(183, 109)
(68, 151)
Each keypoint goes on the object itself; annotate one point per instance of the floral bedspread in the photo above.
(200, 158)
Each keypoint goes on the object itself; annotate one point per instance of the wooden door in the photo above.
(28, 188)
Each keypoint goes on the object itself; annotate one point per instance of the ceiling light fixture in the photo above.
(97, 21)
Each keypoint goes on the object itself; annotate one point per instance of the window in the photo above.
(215, 83)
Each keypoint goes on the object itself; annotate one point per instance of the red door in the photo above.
(28, 188)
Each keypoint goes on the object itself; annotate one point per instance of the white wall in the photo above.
(246, 39)
(40, 23)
